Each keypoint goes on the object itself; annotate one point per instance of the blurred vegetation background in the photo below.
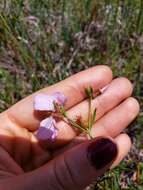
(45, 41)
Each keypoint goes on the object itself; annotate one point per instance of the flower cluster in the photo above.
(43, 102)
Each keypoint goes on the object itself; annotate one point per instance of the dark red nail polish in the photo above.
(102, 152)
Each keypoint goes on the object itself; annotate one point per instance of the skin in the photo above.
(26, 163)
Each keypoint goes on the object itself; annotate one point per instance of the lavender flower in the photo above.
(60, 98)
(44, 102)
(47, 129)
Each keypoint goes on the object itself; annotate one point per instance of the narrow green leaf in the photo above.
(93, 117)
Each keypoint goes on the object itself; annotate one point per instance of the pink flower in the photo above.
(44, 102)
(47, 129)
(60, 98)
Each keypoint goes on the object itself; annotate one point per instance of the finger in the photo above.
(118, 90)
(69, 171)
(124, 144)
(73, 87)
(115, 121)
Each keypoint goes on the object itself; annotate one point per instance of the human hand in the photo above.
(71, 161)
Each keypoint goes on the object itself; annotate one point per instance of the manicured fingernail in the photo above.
(102, 152)
(102, 90)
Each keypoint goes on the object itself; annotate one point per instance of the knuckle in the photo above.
(64, 175)
(70, 175)
(57, 178)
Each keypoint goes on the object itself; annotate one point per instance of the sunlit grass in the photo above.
(42, 42)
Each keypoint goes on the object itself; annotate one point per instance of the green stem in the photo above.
(89, 115)
(89, 133)
(76, 125)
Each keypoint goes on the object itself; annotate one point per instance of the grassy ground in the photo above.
(42, 42)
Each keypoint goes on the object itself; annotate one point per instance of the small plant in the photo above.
(54, 106)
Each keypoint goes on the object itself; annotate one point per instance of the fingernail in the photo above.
(102, 90)
(102, 152)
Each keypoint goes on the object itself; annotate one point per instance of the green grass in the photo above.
(65, 37)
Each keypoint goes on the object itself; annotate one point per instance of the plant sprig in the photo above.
(91, 115)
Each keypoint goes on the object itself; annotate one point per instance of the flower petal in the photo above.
(43, 102)
(47, 129)
(60, 98)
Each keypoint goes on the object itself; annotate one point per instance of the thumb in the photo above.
(75, 169)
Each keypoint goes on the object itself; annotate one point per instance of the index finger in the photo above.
(73, 88)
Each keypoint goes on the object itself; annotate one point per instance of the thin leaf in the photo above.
(93, 117)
